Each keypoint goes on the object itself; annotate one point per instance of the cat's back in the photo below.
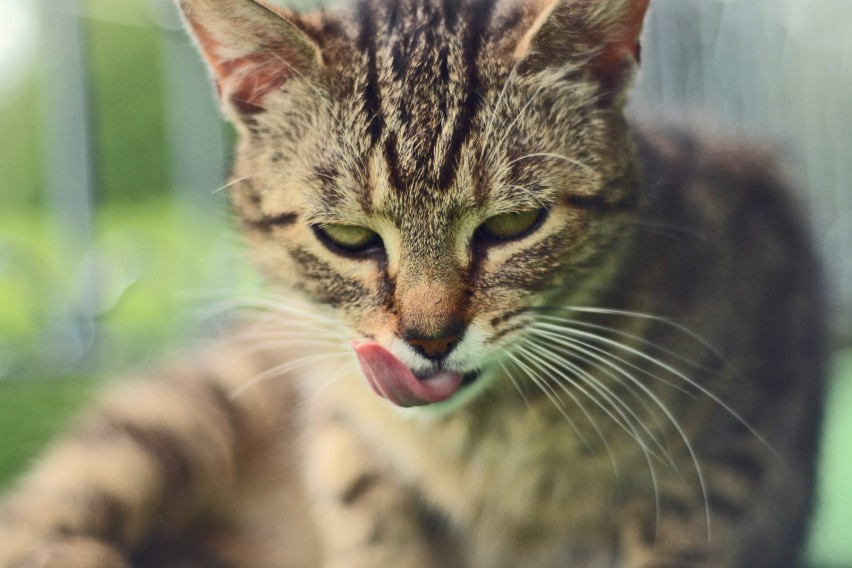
(723, 241)
(702, 179)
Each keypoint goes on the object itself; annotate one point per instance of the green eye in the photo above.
(511, 225)
(350, 238)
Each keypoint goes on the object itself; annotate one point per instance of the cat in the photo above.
(507, 325)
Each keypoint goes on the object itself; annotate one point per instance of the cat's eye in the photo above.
(511, 226)
(349, 238)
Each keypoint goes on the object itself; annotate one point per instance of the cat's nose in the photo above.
(433, 348)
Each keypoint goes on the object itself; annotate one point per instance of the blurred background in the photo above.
(114, 236)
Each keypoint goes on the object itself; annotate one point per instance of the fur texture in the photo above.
(642, 365)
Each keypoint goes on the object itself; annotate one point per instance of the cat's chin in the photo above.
(393, 380)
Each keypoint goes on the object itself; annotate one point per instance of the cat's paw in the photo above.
(66, 552)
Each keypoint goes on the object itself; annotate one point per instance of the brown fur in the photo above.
(645, 364)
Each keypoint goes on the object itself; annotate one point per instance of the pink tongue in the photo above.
(393, 380)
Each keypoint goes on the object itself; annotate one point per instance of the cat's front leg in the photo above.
(153, 456)
(674, 540)
(365, 518)
(750, 513)
(24, 549)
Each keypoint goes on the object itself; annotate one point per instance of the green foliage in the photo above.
(831, 545)
(150, 264)
(20, 151)
(125, 78)
(30, 414)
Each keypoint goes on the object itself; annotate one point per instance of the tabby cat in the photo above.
(507, 326)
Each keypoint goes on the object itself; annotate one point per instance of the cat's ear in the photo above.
(251, 46)
(601, 35)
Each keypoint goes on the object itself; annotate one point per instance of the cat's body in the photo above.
(633, 373)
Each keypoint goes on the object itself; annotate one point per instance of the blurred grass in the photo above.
(831, 543)
(150, 261)
(126, 82)
(20, 149)
(30, 414)
(125, 92)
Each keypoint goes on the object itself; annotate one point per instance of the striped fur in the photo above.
(642, 367)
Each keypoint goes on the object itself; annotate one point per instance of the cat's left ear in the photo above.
(252, 48)
(600, 35)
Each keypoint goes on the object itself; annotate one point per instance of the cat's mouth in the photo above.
(393, 380)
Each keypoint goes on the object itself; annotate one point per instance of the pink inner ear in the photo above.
(622, 45)
(251, 78)
(248, 79)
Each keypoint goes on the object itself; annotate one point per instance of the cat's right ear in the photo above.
(601, 36)
(251, 47)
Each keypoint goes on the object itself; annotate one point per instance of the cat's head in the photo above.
(432, 170)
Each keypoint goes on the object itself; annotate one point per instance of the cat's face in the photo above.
(427, 170)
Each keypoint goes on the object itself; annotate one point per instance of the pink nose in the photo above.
(434, 347)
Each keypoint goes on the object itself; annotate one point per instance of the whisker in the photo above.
(555, 156)
(557, 332)
(496, 108)
(540, 363)
(278, 344)
(264, 328)
(532, 196)
(238, 180)
(281, 369)
(250, 102)
(551, 395)
(628, 313)
(270, 306)
(515, 384)
(335, 378)
(672, 420)
(612, 398)
(285, 333)
(675, 372)
(608, 395)
(321, 95)
(560, 374)
(632, 432)
(520, 115)
(665, 229)
(630, 388)
(616, 331)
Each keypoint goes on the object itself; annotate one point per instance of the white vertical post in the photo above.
(69, 179)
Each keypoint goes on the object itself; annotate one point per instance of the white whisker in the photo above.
(334, 379)
(520, 115)
(641, 315)
(561, 330)
(540, 363)
(532, 196)
(629, 387)
(556, 156)
(603, 358)
(675, 372)
(322, 96)
(236, 181)
(283, 368)
(577, 322)
(515, 384)
(626, 422)
(488, 129)
(550, 394)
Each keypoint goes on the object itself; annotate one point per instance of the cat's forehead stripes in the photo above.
(423, 88)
